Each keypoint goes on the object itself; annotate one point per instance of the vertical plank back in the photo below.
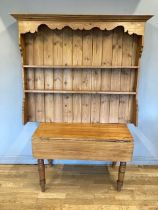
(39, 75)
(67, 74)
(91, 48)
(116, 74)
(86, 76)
(77, 74)
(58, 75)
(48, 73)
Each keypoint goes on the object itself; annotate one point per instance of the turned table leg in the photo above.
(41, 170)
(121, 175)
(50, 162)
(113, 164)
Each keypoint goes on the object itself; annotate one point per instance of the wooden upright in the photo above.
(80, 77)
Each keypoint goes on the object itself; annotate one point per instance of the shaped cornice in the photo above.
(131, 24)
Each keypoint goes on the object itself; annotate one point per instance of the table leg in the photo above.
(113, 164)
(50, 162)
(41, 170)
(121, 175)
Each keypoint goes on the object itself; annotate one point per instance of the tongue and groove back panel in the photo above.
(84, 48)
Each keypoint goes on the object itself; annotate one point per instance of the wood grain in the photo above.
(96, 131)
(48, 74)
(82, 150)
(125, 78)
(72, 78)
(82, 92)
(78, 187)
(131, 23)
(30, 80)
(67, 74)
(77, 74)
(39, 76)
(96, 75)
(80, 66)
(83, 141)
(58, 75)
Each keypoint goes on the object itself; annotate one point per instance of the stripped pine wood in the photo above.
(82, 150)
(77, 48)
(86, 75)
(105, 108)
(75, 141)
(67, 98)
(116, 73)
(97, 47)
(125, 78)
(133, 79)
(77, 74)
(67, 46)
(96, 75)
(76, 107)
(106, 75)
(131, 23)
(86, 98)
(39, 76)
(83, 91)
(67, 74)
(114, 109)
(77, 59)
(29, 60)
(64, 92)
(135, 100)
(58, 99)
(58, 75)
(135, 60)
(107, 60)
(48, 57)
(107, 47)
(79, 67)
(95, 108)
(48, 73)
(30, 83)
(24, 101)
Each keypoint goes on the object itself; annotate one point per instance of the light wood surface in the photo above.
(112, 142)
(84, 131)
(80, 66)
(78, 188)
(82, 92)
(131, 23)
(73, 63)
(69, 52)
(101, 87)
(82, 150)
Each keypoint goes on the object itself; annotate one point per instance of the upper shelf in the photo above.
(133, 24)
(80, 67)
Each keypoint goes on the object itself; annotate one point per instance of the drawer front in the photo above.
(82, 150)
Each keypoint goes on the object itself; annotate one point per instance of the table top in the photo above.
(83, 131)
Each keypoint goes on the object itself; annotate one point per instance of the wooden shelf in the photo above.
(82, 75)
(82, 92)
(80, 67)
